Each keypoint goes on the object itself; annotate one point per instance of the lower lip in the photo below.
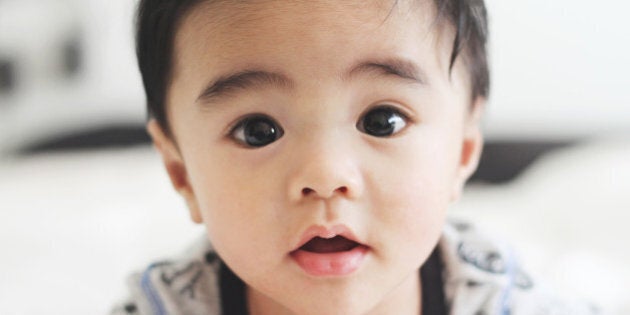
(330, 264)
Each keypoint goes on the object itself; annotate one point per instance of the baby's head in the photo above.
(320, 142)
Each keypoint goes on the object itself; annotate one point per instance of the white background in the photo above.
(559, 68)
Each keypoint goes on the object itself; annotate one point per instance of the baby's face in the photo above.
(320, 142)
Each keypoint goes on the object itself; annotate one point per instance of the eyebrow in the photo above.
(243, 80)
(397, 67)
(247, 79)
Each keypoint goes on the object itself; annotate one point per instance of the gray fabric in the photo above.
(481, 276)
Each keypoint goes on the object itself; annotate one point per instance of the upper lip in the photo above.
(327, 233)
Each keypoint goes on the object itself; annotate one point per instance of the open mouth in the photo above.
(330, 254)
(336, 244)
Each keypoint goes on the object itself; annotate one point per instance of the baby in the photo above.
(321, 144)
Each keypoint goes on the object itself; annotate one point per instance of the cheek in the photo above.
(414, 203)
(420, 170)
(237, 205)
(412, 194)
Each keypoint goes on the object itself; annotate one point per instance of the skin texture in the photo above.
(392, 192)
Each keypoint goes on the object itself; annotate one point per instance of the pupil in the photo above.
(380, 123)
(260, 132)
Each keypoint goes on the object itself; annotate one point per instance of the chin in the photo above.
(327, 310)
(335, 306)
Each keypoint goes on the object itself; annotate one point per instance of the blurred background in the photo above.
(84, 199)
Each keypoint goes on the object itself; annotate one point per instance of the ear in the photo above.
(175, 167)
(472, 146)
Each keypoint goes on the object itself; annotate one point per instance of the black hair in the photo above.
(158, 20)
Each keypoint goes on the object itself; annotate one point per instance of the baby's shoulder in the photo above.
(482, 275)
(188, 284)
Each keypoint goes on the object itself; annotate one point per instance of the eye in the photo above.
(382, 121)
(256, 131)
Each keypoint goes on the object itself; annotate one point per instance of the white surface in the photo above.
(73, 225)
(567, 216)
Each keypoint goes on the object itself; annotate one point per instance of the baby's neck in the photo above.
(405, 299)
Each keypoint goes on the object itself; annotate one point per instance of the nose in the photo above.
(324, 173)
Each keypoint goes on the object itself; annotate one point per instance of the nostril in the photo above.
(309, 191)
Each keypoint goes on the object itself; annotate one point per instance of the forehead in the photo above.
(244, 13)
(234, 24)
(313, 39)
